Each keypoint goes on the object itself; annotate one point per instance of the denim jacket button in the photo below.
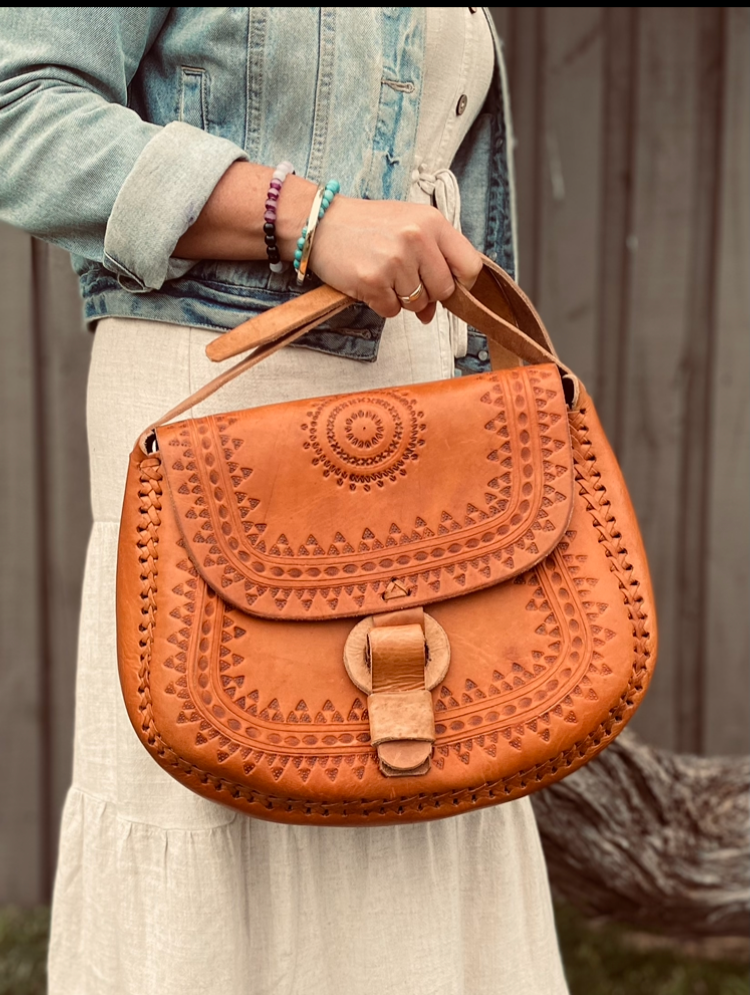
(461, 105)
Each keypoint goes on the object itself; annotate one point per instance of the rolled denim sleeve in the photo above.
(81, 169)
(161, 197)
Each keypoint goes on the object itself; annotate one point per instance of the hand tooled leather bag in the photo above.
(386, 606)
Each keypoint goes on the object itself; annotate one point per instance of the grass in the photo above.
(23, 951)
(599, 960)
(611, 960)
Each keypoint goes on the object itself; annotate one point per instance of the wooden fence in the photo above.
(632, 165)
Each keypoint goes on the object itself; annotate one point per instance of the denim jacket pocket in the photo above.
(193, 107)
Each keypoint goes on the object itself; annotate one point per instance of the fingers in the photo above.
(436, 274)
(427, 314)
(441, 260)
(385, 303)
(422, 305)
(431, 277)
(435, 279)
(412, 292)
(428, 281)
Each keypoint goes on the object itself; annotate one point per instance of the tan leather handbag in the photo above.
(386, 606)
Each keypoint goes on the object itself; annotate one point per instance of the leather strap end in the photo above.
(308, 310)
(496, 306)
(524, 337)
(404, 759)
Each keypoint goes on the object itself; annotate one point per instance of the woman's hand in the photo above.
(380, 251)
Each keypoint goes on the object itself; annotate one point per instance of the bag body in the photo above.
(386, 606)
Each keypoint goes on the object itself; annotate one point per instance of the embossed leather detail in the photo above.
(498, 444)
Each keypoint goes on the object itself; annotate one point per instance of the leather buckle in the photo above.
(396, 659)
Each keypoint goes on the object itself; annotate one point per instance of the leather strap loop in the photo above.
(402, 723)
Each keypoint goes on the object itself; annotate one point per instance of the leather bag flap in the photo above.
(370, 502)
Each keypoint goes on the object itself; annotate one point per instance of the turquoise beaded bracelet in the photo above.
(321, 203)
(329, 192)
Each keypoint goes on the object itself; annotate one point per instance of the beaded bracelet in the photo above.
(321, 203)
(269, 227)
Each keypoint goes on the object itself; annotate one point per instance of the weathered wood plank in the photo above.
(665, 129)
(570, 197)
(501, 16)
(697, 405)
(524, 53)
(727, 701)
(616, 220)
(21, 810)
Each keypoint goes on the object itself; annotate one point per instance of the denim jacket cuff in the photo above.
(163, 194)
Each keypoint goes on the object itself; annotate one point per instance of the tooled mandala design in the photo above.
(365, 441)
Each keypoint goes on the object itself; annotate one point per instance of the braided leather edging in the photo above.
(150, 492)
(591, 488)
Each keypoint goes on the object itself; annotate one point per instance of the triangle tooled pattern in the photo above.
(321, 738)
(213, 690)
(493, 516)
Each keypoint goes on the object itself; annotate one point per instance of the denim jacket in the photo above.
(116, 123)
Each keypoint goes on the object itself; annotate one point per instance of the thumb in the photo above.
(464, 261)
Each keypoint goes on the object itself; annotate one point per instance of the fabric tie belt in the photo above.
(441, 187)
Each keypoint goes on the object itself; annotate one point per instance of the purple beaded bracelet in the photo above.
(269, 218)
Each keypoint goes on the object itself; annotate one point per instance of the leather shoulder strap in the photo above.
(495, 305)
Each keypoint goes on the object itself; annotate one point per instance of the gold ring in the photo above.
(413, 296)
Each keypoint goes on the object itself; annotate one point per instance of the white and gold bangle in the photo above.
(321, 202)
